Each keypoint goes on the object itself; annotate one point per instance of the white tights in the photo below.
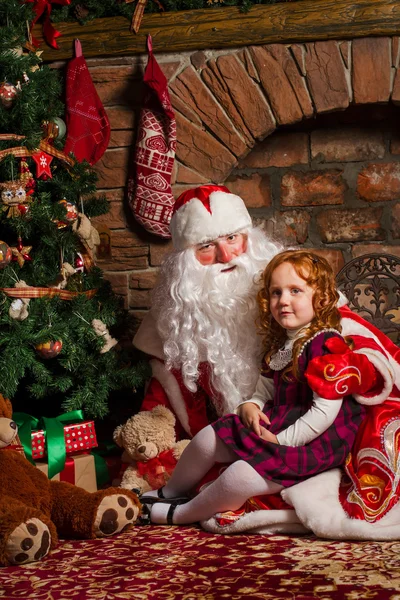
(233, 487)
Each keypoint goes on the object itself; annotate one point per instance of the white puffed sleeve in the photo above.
(264, 392)
(314, 422)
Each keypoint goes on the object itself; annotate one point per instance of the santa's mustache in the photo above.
(226, 269)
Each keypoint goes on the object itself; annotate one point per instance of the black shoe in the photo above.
(170, 514)
(150, 500)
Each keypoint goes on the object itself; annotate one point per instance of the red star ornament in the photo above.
(42, 161)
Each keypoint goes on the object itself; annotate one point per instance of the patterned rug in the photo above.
(186, 563)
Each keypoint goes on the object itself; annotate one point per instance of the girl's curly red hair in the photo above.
(318, 274)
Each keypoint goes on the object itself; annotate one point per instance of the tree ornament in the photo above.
(102, 331)
(19, 307)
(89, 237)
(5, 254)
(42, 160)
(26, 176)
(49, 349)
(71, 214)
(8, 93)
(55, 129)
(66, 271)
(103, 250)
(21, 253)
(14, 199)
(79, 263)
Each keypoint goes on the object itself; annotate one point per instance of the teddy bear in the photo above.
(150, 449)
(35, 511)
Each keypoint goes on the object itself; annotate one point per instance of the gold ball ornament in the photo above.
(8, 93)
(49, 349)
(5, 254)
(55, 129)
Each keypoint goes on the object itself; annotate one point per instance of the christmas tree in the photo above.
(58, 314)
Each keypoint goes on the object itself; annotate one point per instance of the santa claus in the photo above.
(201, 334)
(201, 330)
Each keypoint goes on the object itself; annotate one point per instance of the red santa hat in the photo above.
(206, 213)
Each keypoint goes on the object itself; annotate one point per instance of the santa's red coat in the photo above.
(369, 490)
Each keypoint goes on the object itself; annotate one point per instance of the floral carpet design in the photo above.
(187, 563)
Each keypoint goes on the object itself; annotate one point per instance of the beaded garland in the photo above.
(283, 357)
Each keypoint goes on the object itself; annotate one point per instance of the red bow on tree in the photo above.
(44, 7)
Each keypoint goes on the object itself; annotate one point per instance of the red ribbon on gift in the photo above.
(68, 472)
(44, 7)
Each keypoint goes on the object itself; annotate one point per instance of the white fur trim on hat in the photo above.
(193, 224)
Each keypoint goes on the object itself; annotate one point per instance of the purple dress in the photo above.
(288, 465)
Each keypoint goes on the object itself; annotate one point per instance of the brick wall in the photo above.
(307, 134)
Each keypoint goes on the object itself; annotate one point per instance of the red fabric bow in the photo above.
(41, 7)
(341, 373)
(157, 470)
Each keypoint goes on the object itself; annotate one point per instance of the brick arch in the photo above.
(225, 105)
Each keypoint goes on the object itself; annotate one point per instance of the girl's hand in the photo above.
(268, 436)
(250, 415)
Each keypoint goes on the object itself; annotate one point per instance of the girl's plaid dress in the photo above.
(288, 465)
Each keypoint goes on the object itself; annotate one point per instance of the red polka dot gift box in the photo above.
(78, 437)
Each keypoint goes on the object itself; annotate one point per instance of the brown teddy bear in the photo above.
(35, 511)
(150, 449)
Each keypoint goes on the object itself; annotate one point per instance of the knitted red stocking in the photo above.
(87, 122)
(149, 187)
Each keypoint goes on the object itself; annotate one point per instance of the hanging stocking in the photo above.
(149, 187)
(87, 122)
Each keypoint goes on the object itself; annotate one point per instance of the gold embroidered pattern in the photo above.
(345, 373)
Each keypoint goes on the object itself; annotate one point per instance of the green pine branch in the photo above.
(81, 376)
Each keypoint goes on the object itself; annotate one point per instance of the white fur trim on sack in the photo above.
(172, 389)
(317, 505)
(384, 368)
(389, 369)
(267, 522)
(317, 509)
(193, 224)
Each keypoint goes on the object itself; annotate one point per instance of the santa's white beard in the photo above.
(205, 314)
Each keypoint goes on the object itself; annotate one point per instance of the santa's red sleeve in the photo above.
(167, 388)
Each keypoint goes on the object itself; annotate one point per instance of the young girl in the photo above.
(286, 432)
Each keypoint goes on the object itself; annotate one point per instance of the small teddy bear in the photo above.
(148, 440)
(87, 233)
